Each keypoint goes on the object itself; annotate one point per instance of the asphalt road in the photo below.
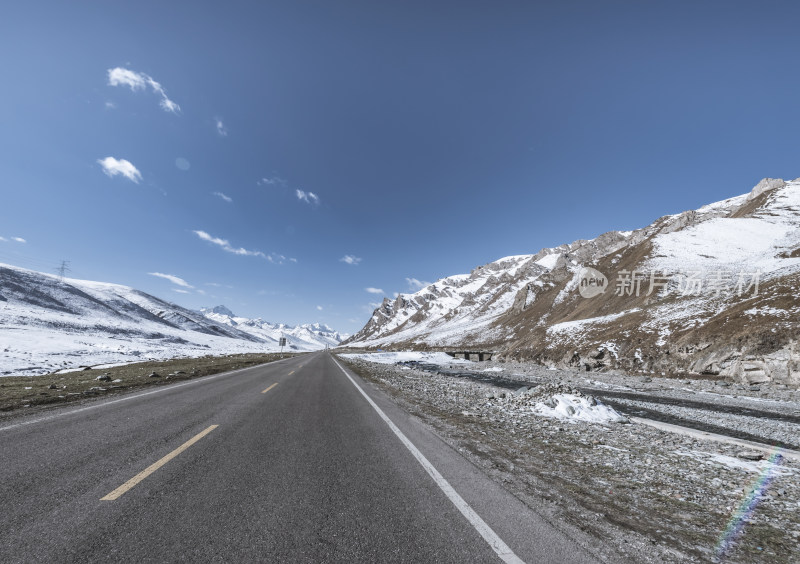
(284, 462)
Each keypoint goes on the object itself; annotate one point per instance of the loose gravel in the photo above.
(653, 496)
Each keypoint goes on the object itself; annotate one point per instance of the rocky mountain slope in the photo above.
(708, 291)
(47, 324)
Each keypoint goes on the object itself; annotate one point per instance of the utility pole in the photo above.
(63, 269)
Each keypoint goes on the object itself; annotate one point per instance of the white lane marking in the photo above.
(135, 396)
(501, 549)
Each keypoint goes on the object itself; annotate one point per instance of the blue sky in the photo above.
(246, 148)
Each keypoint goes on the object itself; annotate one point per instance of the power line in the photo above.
(16, 259)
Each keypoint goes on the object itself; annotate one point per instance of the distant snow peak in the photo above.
(220, 309)
(306, 337)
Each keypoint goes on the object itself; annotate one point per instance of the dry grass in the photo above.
(24, 392)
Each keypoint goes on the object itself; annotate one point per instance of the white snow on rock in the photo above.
(549, 261)
(404, 356)
(577, 326)
(570, 407)
(441, 308)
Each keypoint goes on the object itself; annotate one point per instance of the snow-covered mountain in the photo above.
(302, 337)
(712, 290)
(47, 324)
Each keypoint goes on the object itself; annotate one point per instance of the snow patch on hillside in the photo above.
(50, 324)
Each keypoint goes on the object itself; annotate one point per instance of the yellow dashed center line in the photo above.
(155, 466)
(268, 389)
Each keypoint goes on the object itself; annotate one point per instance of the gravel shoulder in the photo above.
(654, 496)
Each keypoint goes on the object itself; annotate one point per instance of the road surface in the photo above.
(292, 461)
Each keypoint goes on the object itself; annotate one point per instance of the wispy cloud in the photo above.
(18, 240)
(374, 290)
(3, 240)
(271, 181)
(370, 307)
(110, 105)
(415, 285)
(276, 258)
(221, 129)
(172, 278)
(223, 196)
(140, 81)
(225, 245)
(319, 308)
(308, 197)
(350, 259)
(180, 291)
(113, 167)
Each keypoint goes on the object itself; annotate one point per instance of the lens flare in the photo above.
(748, 505)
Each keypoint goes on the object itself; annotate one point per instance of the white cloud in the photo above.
(276, 258)
(370, 307)
(221, 129)
(293, 260)
(140, 81)
(273, 181)
(223, 196)
(308, 197)
(18, 239)
(110, 105)
(319, 308)
(415, 284)
(124, 77)
(396, 295)
(168, 105)
(374, 290)
(226, 246)
(350, 259)
(3, 240)
(172, 278)
(180, 291)
(112, 167)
